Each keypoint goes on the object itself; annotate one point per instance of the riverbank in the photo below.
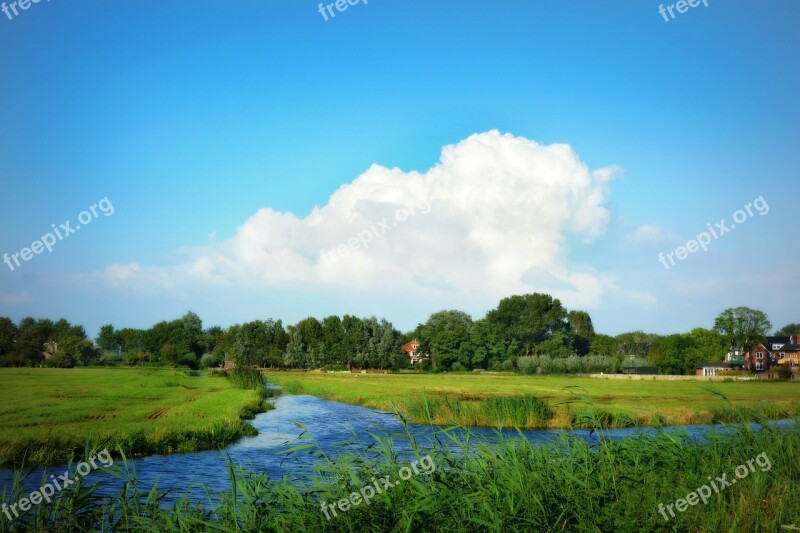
(51, 415)
(510, 400)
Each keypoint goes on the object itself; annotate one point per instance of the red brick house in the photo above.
(757, 359)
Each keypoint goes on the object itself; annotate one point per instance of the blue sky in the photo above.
(192, 117)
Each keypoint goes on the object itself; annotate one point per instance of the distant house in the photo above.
(789, 353)
(735, 358)
(774, 345)
(711, 369)
(412, 352)
(49, 349)
(756, 359)
(229, 363)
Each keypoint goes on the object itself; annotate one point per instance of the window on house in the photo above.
(759, 366)
(759, 355)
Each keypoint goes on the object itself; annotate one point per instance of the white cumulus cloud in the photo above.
(492, 218)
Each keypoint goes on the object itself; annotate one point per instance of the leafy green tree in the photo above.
(333, 337)
(672, 354)
(132, 340)
(191, 333)
(253, 344)
(743, 327)
(635, 343)
(8, 336)
(604, 345)
(310, 329)
(788, 330)
(447, 335)
(487, 346)
(210, 338)
(71, 350)
(558, 345)
(26, 323)
(29, 348)
(709, 345)
(354, 340)
(581, 324)
(387, 346)
(296, 353)
(108, 339)
(169, 354)
(277, 339)
(529, 319)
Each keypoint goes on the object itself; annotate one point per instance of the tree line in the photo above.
(532, 333)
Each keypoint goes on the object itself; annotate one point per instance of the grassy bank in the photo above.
(550, 401)
(48, 415)
(510, 486)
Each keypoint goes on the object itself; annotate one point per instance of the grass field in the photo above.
(478, 399)
(47, 414)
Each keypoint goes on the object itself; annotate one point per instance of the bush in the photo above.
(528, 364)
(457, 367)
(509, 364)
(60, 360)
(423, 365)
(210, 360)
(188, 359)
(545, 364)
(246, 378)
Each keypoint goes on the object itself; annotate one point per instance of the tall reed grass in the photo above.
(523, 411)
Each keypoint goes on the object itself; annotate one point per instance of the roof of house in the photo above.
(407, 346)
(778, 340)
(714, 365)
(790, 348)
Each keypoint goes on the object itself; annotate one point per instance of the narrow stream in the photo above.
(335, 426)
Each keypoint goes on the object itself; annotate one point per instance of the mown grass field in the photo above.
(47, 414)
(448, 398)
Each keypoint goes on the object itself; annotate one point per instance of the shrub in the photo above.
(210, 360)
(528, 364)
(423, 365)
(509, 364)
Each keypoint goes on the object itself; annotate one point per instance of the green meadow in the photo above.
(50, 414)
(492, 399)
(511, 485)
